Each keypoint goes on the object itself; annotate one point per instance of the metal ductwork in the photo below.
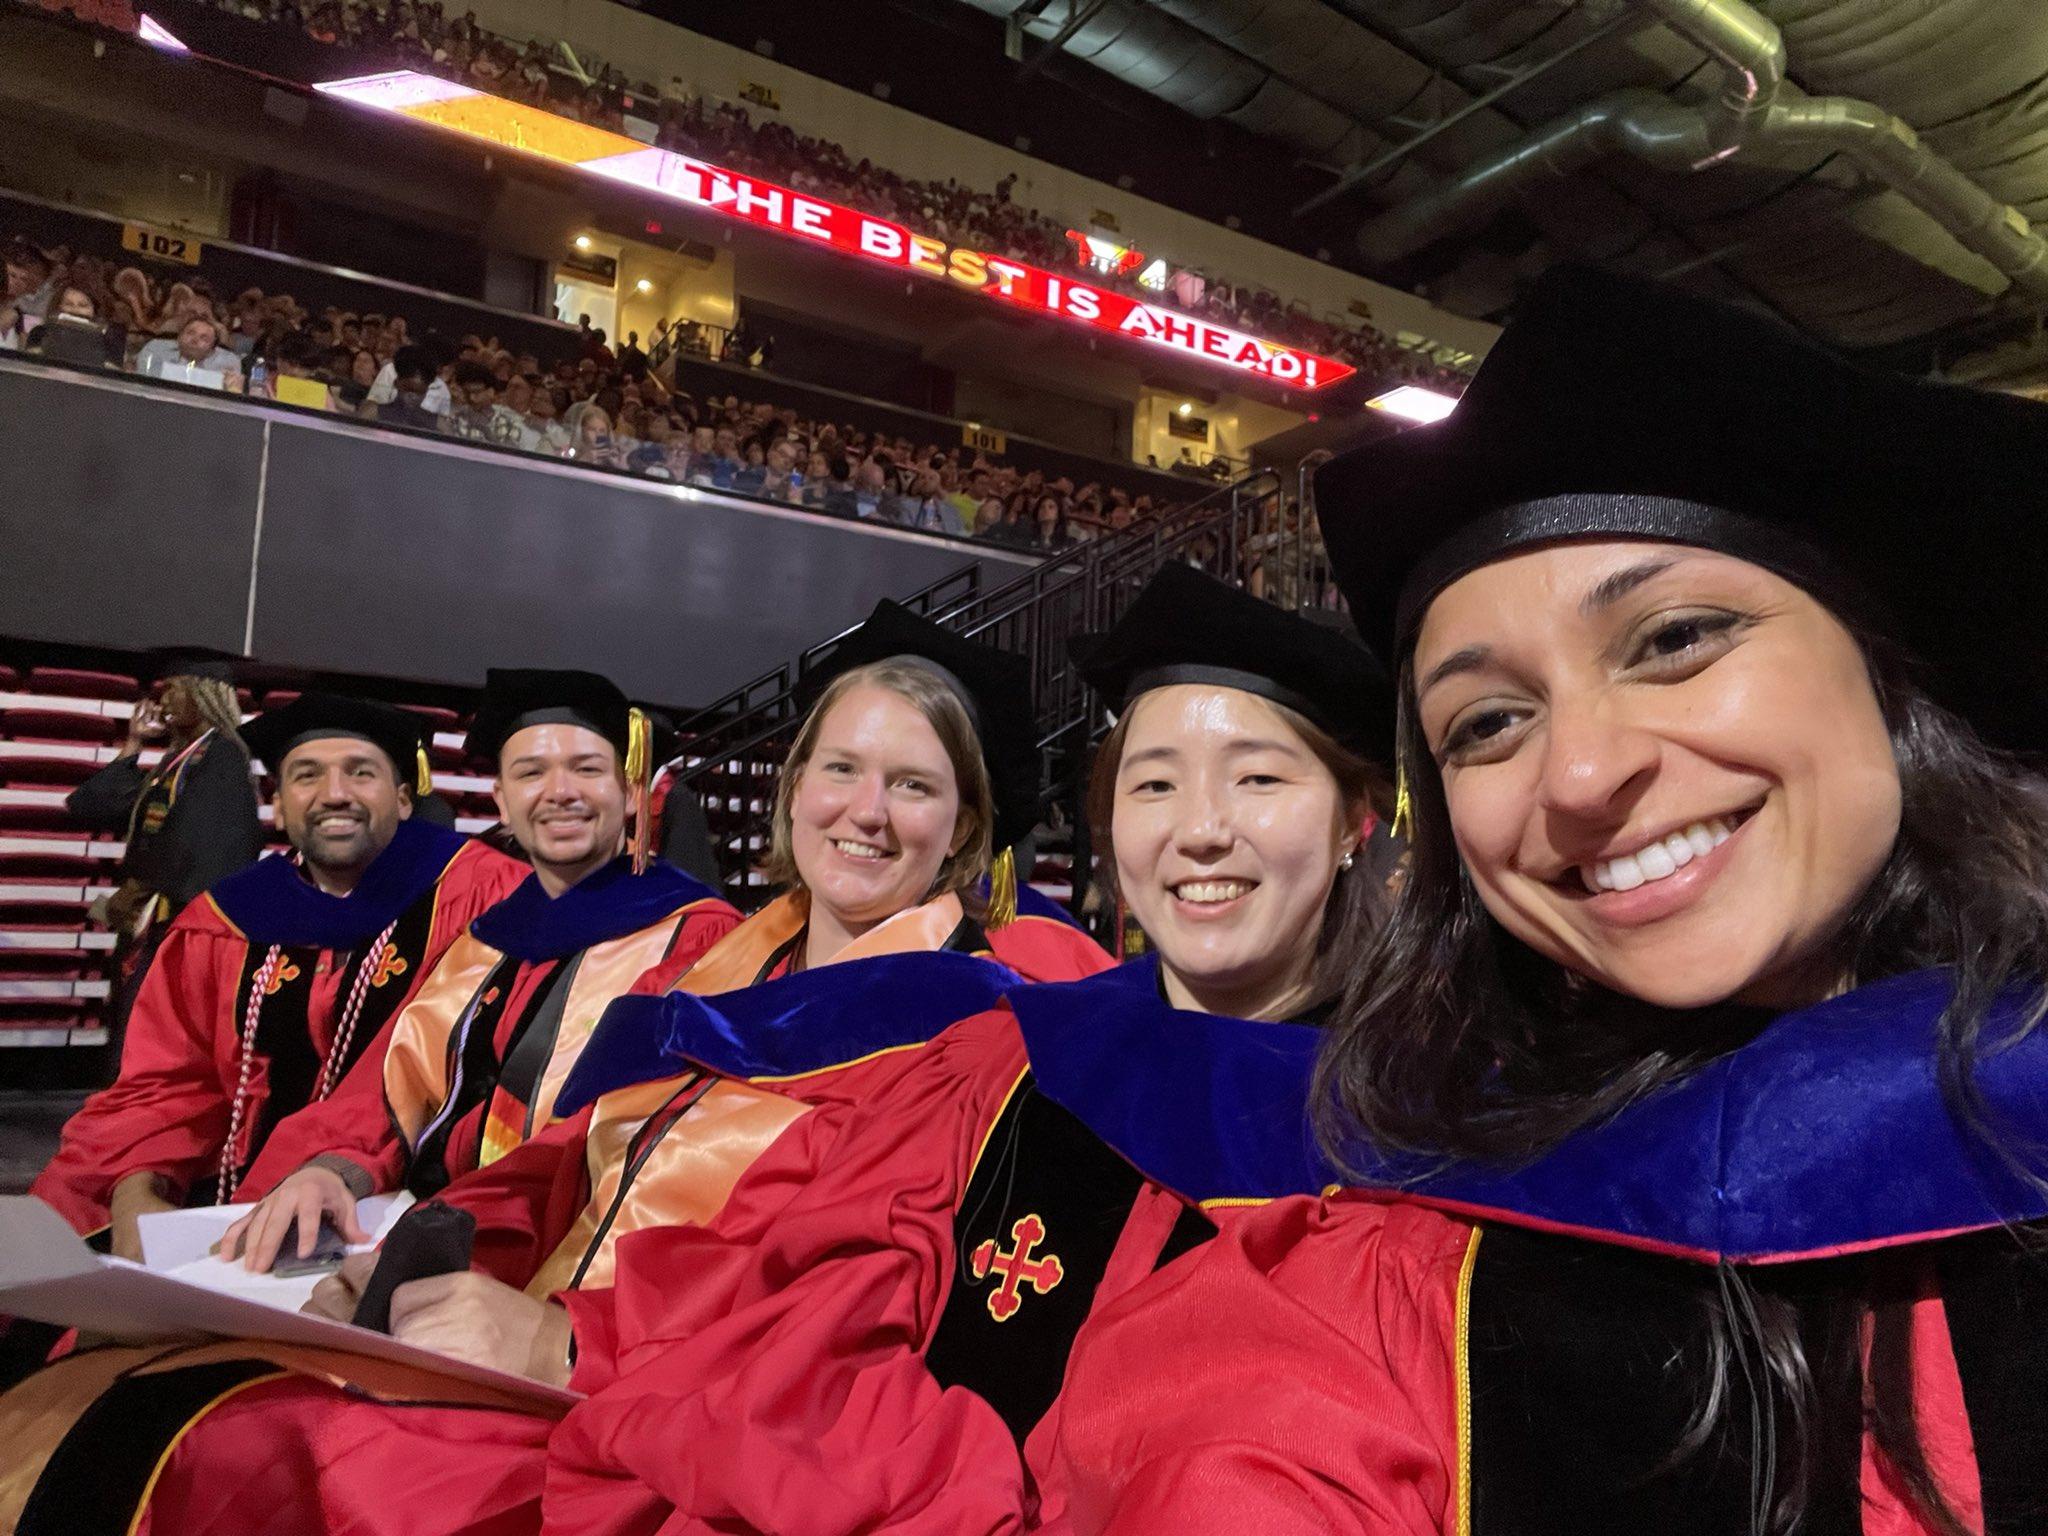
(1757, 113)
(1151, 50)
(1642, 123)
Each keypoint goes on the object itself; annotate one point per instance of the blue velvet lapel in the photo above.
(272, 903)
(784, 1028)
(1212, 1107)
(608, 904)
(1827, 1133)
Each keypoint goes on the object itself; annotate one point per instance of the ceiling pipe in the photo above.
(1751, 52)
(1642, 123)
(1758, 111)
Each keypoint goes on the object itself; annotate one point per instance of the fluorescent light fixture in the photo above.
(1411, 402)
(157, 35)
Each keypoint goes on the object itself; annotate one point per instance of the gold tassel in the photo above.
(1404, 808)
(639, 745)
(423, 774)
(1002, 890)
(640, 783)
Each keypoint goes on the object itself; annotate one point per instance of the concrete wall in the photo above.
(139, 515)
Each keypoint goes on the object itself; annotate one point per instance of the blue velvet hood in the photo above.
(1825, 1134)
(809, 1022)
(272, 903)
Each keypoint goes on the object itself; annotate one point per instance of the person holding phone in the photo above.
(189, 819)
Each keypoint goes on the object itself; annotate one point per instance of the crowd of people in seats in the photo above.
(588, 401)
(1587, 1076)
(427, 36)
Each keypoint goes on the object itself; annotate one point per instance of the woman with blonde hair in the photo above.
(189, 820)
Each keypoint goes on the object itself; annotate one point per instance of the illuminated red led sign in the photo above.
(798, 215)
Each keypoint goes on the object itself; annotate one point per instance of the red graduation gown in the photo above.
(168, 1110)
(1306, 1373)
(657, 923)
(538, 1210)
(292, 1447)
(786, 1344)
(290, 1453)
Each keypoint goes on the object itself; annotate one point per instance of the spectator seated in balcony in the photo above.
(72, 333)
(412, 371)
(872, 496)
(356, 376)
(539, 412)
(249, 321)
(196, 350)
(752, 474)
(655, 452)
(590, 436)
(928, 508)
(476, 414)
(1015, 526)
(721, 466)
(1049, 518)
(836, 495)
(298, 374)
(31, 280)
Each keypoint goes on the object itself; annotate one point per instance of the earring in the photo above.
(1347, 861)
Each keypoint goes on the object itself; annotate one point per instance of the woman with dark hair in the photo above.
(883, 1350)
(1049, 522)
(1693, 1097)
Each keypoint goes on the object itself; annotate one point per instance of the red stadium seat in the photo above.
(59, 724)
(78, 683)
(44, 855)
(66, 763)
(33, 808)
(52, 942)
(48, 1024)
(440, 719)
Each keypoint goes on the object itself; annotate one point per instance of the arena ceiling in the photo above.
(1869, 169)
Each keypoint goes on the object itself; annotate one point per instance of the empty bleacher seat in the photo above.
(49, 720)
(66, 763)
(81, 683)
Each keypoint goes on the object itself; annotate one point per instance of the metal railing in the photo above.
(735, 747)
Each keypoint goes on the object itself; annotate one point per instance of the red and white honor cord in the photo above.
(330, 1070)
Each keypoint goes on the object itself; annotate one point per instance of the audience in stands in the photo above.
(427, 37)
(582, 405)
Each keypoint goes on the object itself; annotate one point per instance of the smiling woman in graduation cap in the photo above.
(885, 1347)
(1697, 1088)
(913, 773)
